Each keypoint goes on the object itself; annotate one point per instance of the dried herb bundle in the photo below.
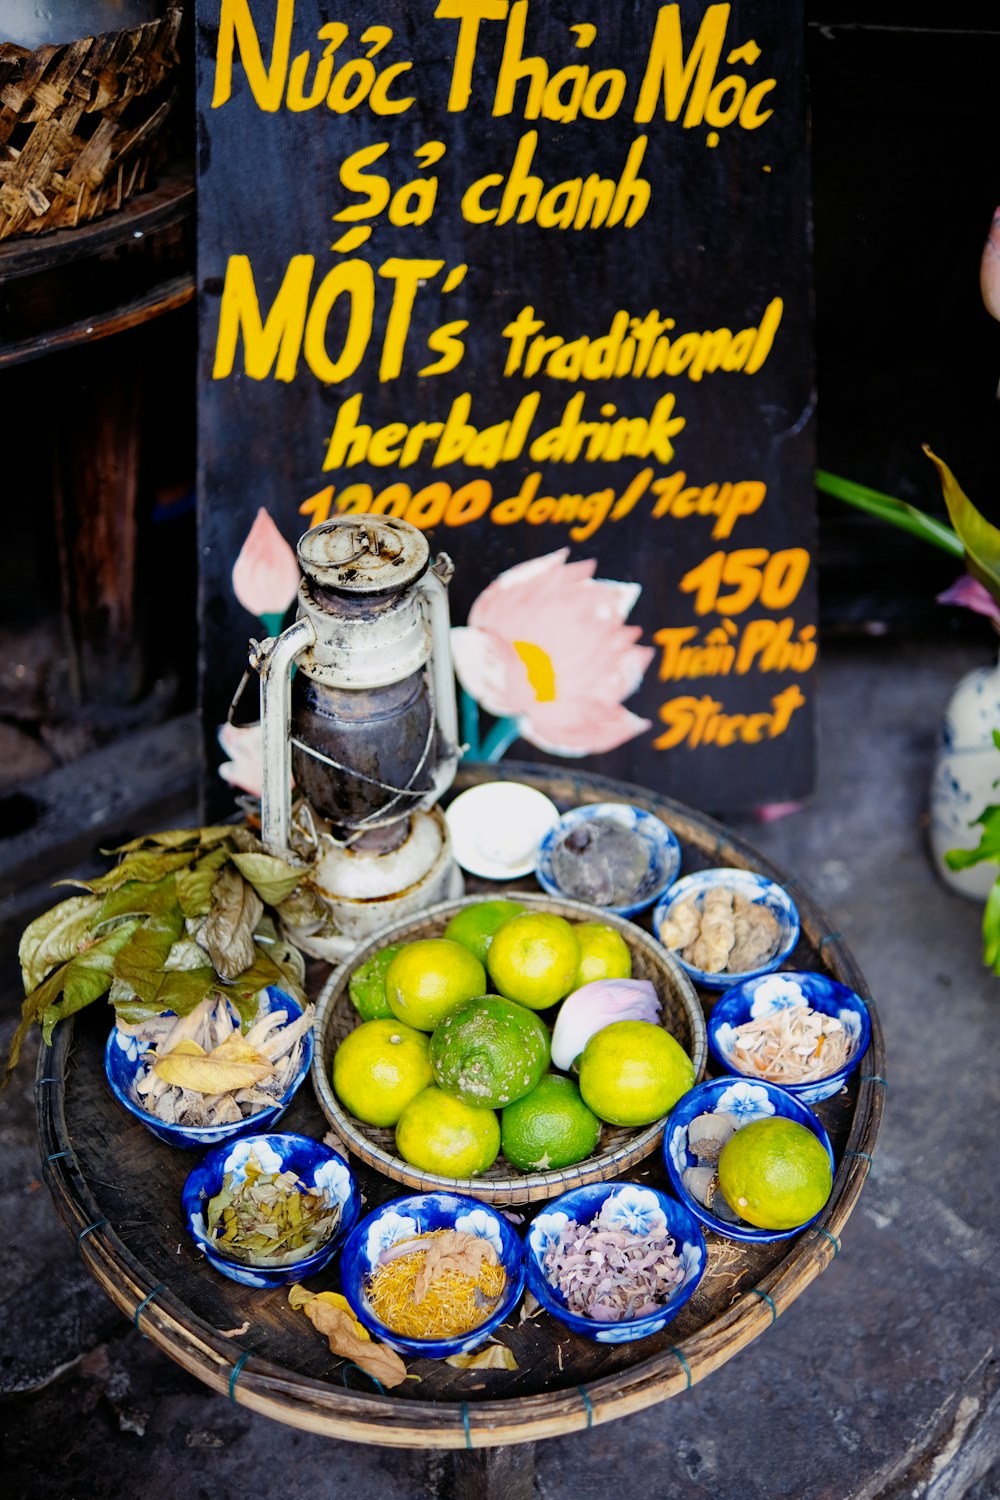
(182, 914)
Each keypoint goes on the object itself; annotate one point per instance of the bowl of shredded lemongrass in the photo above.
(433, 1274)
(804, 1032)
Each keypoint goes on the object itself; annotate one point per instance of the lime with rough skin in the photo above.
(474, 926)
(428, 978)
(775, 1173)
(437, 1133)
(633, 1072)
(378, 1068)
(549, 1128)
(366, 985)
(604, 953)
(489, 1051)
(533, 959)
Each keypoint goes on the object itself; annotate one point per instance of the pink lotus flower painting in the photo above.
(266, 572)
(546, 647)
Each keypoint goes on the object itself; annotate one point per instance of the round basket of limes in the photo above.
(510, 1048)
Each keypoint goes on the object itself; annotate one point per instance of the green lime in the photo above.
(632, 1072)
(549, 1128)
(366, 985)
(474, 926)
(489, 1051)
(775, 1173)
(428, 978)
(604, 954)
(437, 1133)
(378, 1068)
(533, 959)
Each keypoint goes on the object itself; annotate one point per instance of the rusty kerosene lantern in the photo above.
(358, 704)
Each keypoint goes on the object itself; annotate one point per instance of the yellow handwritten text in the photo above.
(341, 89)
(728, 502)
(590, 202)
(297, 322)
(438, 504)
(685, 85)
(637, 346)
(768, 645)
(457, 439)
(752, 573)
(694, 721)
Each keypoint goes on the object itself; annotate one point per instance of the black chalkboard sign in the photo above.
(535, 276)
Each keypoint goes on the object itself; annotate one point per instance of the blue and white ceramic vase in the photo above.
(965, 778)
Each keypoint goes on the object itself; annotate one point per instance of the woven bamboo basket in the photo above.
(82, 126)
(618, 1149)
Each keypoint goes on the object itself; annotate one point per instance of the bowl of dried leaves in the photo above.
(270, 1209)
(803, 1031)
(199, 1079)
(615, 1261)
(727, 925)
(433, 1274)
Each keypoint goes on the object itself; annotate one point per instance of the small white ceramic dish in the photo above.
(496, 829)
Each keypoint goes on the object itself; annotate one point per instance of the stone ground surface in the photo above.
(882, 1380)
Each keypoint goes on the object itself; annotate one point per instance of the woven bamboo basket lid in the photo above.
(618, 1149)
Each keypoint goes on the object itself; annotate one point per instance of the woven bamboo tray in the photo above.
(82, 126)
(618, 1149)
(117, 1189)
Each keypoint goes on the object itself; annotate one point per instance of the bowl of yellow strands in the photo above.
(432, 1274)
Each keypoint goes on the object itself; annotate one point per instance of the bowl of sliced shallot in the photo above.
(201, 1079)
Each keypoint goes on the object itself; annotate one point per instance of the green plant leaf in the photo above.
(988, 847)
(991, 929)
(887, 508)
(980, 539)
(273, 879)
(55, 936)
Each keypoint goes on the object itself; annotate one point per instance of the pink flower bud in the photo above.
(989, 269)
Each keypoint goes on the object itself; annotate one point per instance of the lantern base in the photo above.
(364, 891)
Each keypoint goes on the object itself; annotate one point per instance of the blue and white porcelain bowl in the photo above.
(422, 1213)
(756, 888)
(638, 1209)
(747, 1101)
(663, 853)
(121, 1066)
(763, 996)
(315, 1164)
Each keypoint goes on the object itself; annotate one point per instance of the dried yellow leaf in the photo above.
(330, 1315)
(493, 1357)
(232, 1065)
(299, 1297)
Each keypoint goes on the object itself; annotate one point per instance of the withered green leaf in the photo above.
(54, 937)
(177, 838)
(147, 865)
(141, 960)
(137, 898)
(227, 933)
(273, 879)
(88, 976)
(194, 885)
